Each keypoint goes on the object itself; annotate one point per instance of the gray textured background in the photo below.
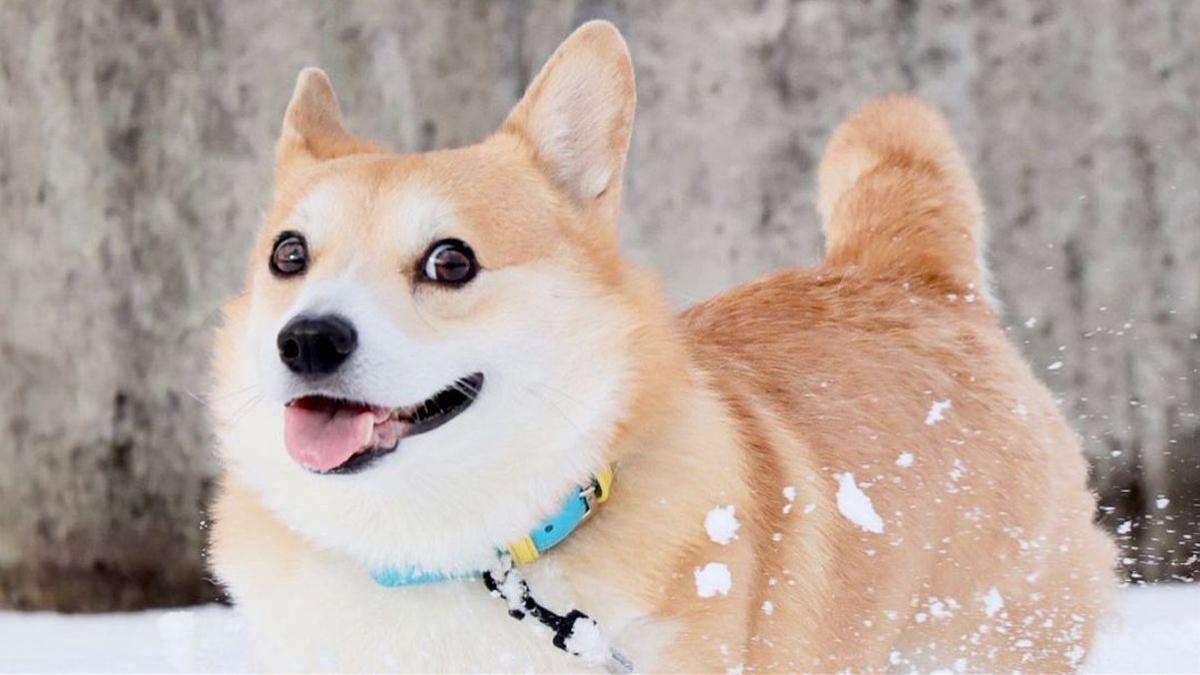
(135, 142)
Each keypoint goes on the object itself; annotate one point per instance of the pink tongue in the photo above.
(321, 437)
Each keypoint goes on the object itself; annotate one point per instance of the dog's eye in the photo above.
(290, 255)
(450, 262)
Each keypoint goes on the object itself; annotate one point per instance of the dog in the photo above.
(460, 431)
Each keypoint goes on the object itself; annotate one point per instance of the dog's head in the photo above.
(433, 348)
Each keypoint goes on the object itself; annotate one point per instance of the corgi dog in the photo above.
(842, 468)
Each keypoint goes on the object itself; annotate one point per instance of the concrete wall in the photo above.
(135, 142)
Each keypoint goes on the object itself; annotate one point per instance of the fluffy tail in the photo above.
(896, 196)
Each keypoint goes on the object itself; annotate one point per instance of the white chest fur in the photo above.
(327, 614)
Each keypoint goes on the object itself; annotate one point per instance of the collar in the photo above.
(575, 509)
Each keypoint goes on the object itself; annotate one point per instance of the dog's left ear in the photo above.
(312, 127)
(577, 116)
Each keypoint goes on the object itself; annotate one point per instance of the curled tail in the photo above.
(896, 196)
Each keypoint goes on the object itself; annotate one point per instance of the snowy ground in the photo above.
(1158, 631)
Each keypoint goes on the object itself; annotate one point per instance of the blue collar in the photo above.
(576, 508)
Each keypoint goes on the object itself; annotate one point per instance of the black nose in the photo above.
(316, 345)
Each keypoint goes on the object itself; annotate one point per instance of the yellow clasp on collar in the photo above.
(603, 482)
(577, 507)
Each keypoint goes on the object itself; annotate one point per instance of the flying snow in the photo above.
(721, 524)
(789, 493)
(935, 412)
(712, 579)
(992, 602)
(853, 503)
(905, 460)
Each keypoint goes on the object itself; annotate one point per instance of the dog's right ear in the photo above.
(312, 127)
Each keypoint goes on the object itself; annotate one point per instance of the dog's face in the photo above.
(435, 347)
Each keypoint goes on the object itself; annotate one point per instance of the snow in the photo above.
(935, 412)
(587, 642)
(853, 503)
(721, 524)
(789, 493)
(712, 579)
(511, 587)
(942, 610)
(992, 602)
(1157, 629)
(201, 639)
(956, 473)
(905, 460)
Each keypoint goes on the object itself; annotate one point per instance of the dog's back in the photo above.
(961, 527)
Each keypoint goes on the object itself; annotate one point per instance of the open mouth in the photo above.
(330, 435)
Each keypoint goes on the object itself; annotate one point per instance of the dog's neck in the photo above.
(684, 438)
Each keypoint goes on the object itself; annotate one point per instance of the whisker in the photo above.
(560, 392)
(226, 395)
(197, 398)
(417, 309)
(550, 404)
(245, 409)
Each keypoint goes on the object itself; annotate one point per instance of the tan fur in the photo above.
(782, 383)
